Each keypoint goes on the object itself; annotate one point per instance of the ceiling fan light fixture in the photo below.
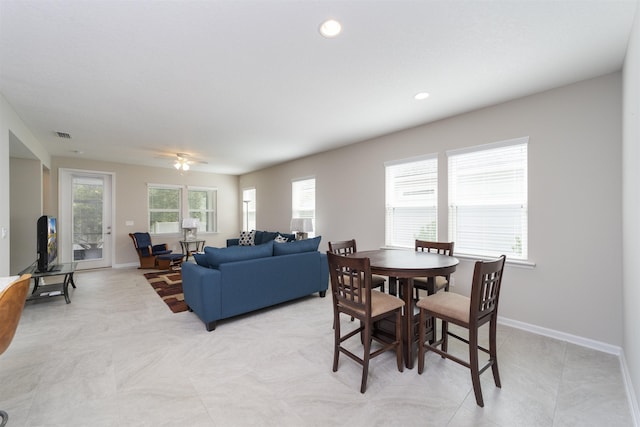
(330, 28)
(421, 96)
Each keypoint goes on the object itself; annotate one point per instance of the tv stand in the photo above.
(50, 269)
(52, 289)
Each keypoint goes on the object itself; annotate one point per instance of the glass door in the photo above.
(86, 216)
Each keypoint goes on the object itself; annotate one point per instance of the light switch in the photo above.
(4, 232)
(129, 223)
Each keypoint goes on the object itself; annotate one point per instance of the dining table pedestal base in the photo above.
(385, 328)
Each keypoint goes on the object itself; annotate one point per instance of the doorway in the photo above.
(85, 214)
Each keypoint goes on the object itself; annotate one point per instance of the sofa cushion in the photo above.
(297, 246)
(267, 236)
(217, 256)
(201, 259)
(247, 238)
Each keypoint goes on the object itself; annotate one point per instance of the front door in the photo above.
(85, 216)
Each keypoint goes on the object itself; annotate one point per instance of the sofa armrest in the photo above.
(201, 287)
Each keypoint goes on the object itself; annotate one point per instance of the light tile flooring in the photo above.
(117, 356)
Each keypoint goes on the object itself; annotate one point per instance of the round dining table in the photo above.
(404, 265)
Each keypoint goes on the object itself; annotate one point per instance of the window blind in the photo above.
(303, 200)
(488, 210)
(411, 201)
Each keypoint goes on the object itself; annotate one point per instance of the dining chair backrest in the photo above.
(344, 247)
(485, 290)
(443, 248)
(350, 283)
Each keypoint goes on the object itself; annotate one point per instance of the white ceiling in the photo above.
(247, 84)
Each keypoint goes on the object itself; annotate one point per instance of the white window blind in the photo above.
(488, 211)
(411, 201)
(303, 200)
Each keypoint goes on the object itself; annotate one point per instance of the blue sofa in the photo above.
(231, 281)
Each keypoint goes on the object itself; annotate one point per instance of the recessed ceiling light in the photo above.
(420, 96)
(330, 28)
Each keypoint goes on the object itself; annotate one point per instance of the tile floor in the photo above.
(117, 356)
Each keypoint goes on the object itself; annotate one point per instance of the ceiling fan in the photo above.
(183, 161)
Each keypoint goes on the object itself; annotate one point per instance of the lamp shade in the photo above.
(190, 222)
(301, 224)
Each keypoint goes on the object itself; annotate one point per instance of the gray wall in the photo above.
(574, 200)
(26, 206)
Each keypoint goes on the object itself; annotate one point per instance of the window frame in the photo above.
(151, 210)
(501, 201)
(396, 200)
(302, 211)
(212, 212)
(249, 206)
(183, 208)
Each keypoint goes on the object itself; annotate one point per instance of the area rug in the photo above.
(168, 284)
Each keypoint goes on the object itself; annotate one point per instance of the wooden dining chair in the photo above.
(12, 300)
(352, 296)
(469, 313)
(432, 285)
(347, 247)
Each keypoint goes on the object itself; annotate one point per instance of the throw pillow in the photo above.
(201, 259)
(269, 235)
(297, 246)
(281, 239)
(217, 256)
(290, 237)
(247, 238)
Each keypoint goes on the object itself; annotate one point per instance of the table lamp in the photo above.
(301, 226)
(190, 228)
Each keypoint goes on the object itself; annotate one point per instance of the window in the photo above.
(303, 200)
(202, 205)
(167, 208)
(249, 209)
(164, 209)
(411, 204)
(488, 199)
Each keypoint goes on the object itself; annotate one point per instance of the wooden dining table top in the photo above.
(405, 263)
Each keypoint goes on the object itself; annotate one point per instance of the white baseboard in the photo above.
(631, 394)
(589, 343)
(131, 264)
(562, 336)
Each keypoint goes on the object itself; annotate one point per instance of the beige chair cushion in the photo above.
(382, 303)
(448, 304)
(440, 282)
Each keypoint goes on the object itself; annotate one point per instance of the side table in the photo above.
(65, 269)
(191, 246)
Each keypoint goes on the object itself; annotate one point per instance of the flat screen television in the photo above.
(47, 243)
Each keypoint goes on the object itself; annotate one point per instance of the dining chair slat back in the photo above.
(435, 284)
